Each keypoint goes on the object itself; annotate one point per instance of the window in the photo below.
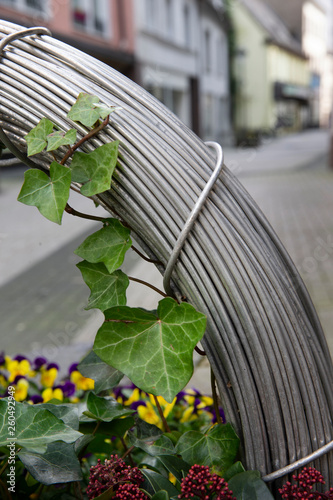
(28, 6)
(187, 26)
(91, 16)
(207, 51)
(169, 17)
(151, 13)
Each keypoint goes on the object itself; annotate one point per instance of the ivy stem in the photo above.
(4, 468)
(199, 351)
(88, 136)
(144, 257)
(74, 212)
(127, 451)
(160, 411)
(96, 428)
(137, 280)
(215, 397)
(5, 490)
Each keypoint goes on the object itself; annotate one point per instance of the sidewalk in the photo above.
(282, 154)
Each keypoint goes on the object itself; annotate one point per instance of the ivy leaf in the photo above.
(36, 139)
(249, 486)
(87, 110)
(59, 138)
(108, 245)
(48, 194)
(162, 446)
(35, 427)
(94, 170)
(175, 465)
(153, 348)
(107, 290)
(58, 464)
(105, 409)
(217, 448)
(155, 482)
(104, 375)
(161, 495)
(68, 413)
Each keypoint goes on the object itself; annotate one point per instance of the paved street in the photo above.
(42, 295)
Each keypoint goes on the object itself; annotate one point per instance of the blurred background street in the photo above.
(256, 76)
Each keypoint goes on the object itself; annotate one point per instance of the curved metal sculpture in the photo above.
(263, 340)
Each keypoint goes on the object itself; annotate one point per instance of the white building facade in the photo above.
(182, 59)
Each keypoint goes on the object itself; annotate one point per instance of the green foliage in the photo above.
(35, 427)
(216, 448)
(108, 245)
(59, 138)
(154, 349)
(249, 486)
(48, 194)
(88, 110)
(105, 409)
(105, 376)
(37, 137)
(94, 170)
(59, 464)
(107, 290)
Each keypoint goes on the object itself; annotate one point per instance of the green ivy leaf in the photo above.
(68, 413)
(153, 348)
(59, 138)
(249, 486)
(35, 427)
(87, 110)
(48, 194)
(155, 482)
(236, 468)
(58, 464)
(161, 495)
(217, 448)
(105, 409)
(107, 290)
(108, 245)
(94, 170)
(162, 446)
(104, 375)
(175, 465)
(36, 138)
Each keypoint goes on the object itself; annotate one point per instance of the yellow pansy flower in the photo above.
(48, 377)
(50, 393)
(21, 389)
(148, 414)
(16, 368)
(82, 382)
(166, 407)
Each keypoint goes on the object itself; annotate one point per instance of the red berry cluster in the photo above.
(303, 487)
(114, 473)
(201, 483)
(129, 492)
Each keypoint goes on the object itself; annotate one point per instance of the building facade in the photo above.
(102, 28)
(271, 73)
(182, 57)
(176, 49)
(311, 23)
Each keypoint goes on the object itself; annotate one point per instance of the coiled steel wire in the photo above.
(263, 340)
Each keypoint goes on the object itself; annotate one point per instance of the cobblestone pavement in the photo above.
(299, 206)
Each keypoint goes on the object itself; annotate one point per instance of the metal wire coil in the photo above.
(264, 339)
